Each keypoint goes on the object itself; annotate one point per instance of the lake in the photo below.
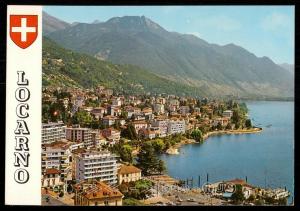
(266, 158)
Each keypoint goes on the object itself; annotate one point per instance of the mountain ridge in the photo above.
(180, 57)
(51, 23)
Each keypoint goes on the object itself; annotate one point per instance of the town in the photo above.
(101, 147)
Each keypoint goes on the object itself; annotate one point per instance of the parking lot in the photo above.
(176, 195)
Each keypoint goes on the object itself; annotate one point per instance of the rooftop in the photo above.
(52, 171)
(97, 190)
(128, 169)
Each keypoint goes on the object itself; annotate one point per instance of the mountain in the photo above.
(96, 21)
(65, 68)
(288, 67)
(217, 70)
(51, 24)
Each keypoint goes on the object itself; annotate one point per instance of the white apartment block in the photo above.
(162, 124)
(53, 131)
(176, 126)
(100, 165)
(159, 108)
(57, 156)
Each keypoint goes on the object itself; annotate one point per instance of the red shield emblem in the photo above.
(23, 29)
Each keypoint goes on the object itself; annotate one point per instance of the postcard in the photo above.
(150, 105)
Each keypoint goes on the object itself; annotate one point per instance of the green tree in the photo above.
(243, 108)
(282, 201)
(259, 202)
(45, 112)
(238, 195)
(126, 153)
(161, 166)
(129, 132)
(251, 198)
(124, 114)
(147, 160)
(236, 116)
(228, 126)
(83, 118)
(197, 135)
(158, 145)
(132, 202)
(219, 126)
(248, 123)
(270, 200)
(95, 124)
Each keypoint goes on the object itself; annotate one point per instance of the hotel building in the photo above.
(100, 165)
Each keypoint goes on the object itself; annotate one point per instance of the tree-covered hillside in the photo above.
(62, 67)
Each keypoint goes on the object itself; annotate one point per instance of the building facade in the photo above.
(176, 126)
(57, 156)
(53, 131)
(97, 194)
(79, 134)
(129, 174)
(100, 165)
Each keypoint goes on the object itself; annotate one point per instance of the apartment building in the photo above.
(100, 165)
(161, 124)
(111, 134)
(57, 155)
(176, 126)
(159, 108)
(138, 125)
(51, 178)
(184, 110)
(53, 131)
(109, 120)
(79, 134)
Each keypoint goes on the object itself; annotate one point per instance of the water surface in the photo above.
(266, 158)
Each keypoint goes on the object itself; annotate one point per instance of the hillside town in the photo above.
(101, 147)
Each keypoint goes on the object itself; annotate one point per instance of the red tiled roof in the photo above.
(52, 171)
(128, 169)
(99, 190)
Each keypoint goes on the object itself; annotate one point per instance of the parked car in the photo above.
(179, 200)
(191, 200)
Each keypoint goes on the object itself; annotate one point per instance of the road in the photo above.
(52, 201)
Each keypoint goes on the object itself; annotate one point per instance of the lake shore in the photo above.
(239, 131)
(174, 150)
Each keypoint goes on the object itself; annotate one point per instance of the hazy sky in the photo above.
(263, 30)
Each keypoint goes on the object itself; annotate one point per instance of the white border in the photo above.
(28, 60)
